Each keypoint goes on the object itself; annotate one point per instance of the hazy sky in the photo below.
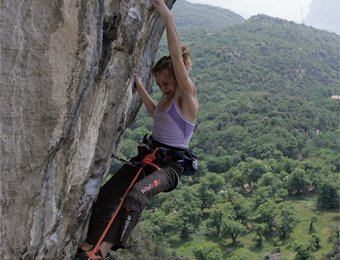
(292, 10)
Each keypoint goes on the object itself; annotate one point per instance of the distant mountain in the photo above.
(188, 15)
(324, 14)
(264, 49)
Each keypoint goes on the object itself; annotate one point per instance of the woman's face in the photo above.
(166, 82)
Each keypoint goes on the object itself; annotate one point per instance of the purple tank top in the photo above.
(171, 128)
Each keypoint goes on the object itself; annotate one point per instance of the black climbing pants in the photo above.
(150, 183)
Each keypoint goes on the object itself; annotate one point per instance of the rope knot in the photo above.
(148, 159)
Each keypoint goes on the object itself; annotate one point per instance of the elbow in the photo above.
(151, 109)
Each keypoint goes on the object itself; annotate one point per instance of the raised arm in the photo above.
(175, 49)
(185, 94)
(146, 98)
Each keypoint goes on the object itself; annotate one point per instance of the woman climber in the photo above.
(174, 119)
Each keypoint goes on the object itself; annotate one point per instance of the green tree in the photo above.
(206, 196)
(237, 178)
(260, 230)
(254, 169)
(267, 179)
(297, 181)
(266, 214)
(286, 219)
(217, 164)
(314, 242)
(215, 220)
(241, 206)
(158, 224)
(128, 149)
(214, 181)
(208, 188)
(328, 196)
(303, 252)
(188, 211)
(232, 228)
(317, 169)
(312, 220)
(261, 196)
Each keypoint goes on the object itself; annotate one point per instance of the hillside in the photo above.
(188, 15)
(267, 139)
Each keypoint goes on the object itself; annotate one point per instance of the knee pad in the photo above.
(135, 201)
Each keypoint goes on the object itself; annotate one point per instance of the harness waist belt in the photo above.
(165, 150)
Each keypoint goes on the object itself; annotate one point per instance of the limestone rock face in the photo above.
(66, 97)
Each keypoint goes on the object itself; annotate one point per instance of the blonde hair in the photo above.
(165, 63)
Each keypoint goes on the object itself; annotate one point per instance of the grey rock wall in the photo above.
(66, 97)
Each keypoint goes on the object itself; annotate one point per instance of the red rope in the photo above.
(148, 159)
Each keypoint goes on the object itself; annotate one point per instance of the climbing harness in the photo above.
(185, 157)
(148, 160)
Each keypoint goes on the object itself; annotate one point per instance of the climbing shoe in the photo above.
(84, 255)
